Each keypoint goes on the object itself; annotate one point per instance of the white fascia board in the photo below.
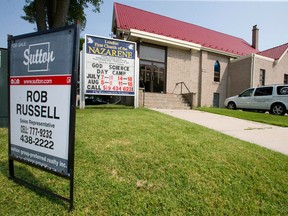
(251, 55)
(164, 39)
(264, 58)
(220, 52)
(241, 58)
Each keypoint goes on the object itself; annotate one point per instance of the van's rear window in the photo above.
(282, 90)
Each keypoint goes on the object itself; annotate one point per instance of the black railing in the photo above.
(143, 86)
(188, 96)
(181, 86)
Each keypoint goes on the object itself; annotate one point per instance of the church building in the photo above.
(202, 65)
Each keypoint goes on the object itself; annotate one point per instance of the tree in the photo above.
(49, 14)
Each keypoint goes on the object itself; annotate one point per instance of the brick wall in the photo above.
(182, 66)
(185, 66)
(239, 76)
(196, 69)
(208, 86)
(274, 72)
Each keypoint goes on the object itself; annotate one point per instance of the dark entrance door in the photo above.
(152, 76)
(152, 72)
(216, 98)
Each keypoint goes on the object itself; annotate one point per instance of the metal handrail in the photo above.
(143, 91)
(182, 83)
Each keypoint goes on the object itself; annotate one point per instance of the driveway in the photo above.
(268, 136)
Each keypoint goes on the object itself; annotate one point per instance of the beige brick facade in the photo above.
(274, 71)
(196, 70)
(182, 66)
(245, 72)
(239, 75)
(208, 86)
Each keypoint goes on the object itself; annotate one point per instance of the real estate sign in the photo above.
(41, 76)
(109, 66)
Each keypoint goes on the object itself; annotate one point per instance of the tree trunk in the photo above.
(61, 13)
(40, 15)
(51, 11)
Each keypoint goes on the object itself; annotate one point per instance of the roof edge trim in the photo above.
(283, 54)
(241, 58)
(251, 55)
(164, 39)
(220, 52)
(264, 57)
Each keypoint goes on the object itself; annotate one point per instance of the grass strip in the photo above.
(141, 162)
(266, 118)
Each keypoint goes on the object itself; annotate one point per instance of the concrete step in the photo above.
(165, 101)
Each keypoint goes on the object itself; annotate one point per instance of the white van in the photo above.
(273, 98)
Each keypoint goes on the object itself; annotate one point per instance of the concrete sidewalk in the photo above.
(269, 136)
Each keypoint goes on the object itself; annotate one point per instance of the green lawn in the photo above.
(141, 162)
(252, 116)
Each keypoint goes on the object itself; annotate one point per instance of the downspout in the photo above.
(200, 80)
(252, 70)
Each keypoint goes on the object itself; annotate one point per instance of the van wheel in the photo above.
(278, 109)
(231, 105)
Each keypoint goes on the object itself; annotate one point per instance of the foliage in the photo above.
(48, 14)
(141, 162)
(82, 41)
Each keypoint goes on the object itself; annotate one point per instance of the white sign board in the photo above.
(109, 66)
(40, 99)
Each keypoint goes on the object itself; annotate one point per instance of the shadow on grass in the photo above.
(26, 178)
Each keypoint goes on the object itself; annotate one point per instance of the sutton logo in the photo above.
(38, 56)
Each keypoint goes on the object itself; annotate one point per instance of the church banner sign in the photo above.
(109, 66)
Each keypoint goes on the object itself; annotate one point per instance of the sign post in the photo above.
(109, 67)
(42, 99)
(4, 87)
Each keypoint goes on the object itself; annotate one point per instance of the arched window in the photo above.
(216, 72)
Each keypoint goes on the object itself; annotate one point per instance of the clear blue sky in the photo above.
(231, 17)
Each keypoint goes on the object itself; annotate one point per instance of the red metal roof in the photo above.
(276, 52)
(128, 18)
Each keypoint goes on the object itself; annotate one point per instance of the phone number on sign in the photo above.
(117, 88)
(38, 142)
(36, 132)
